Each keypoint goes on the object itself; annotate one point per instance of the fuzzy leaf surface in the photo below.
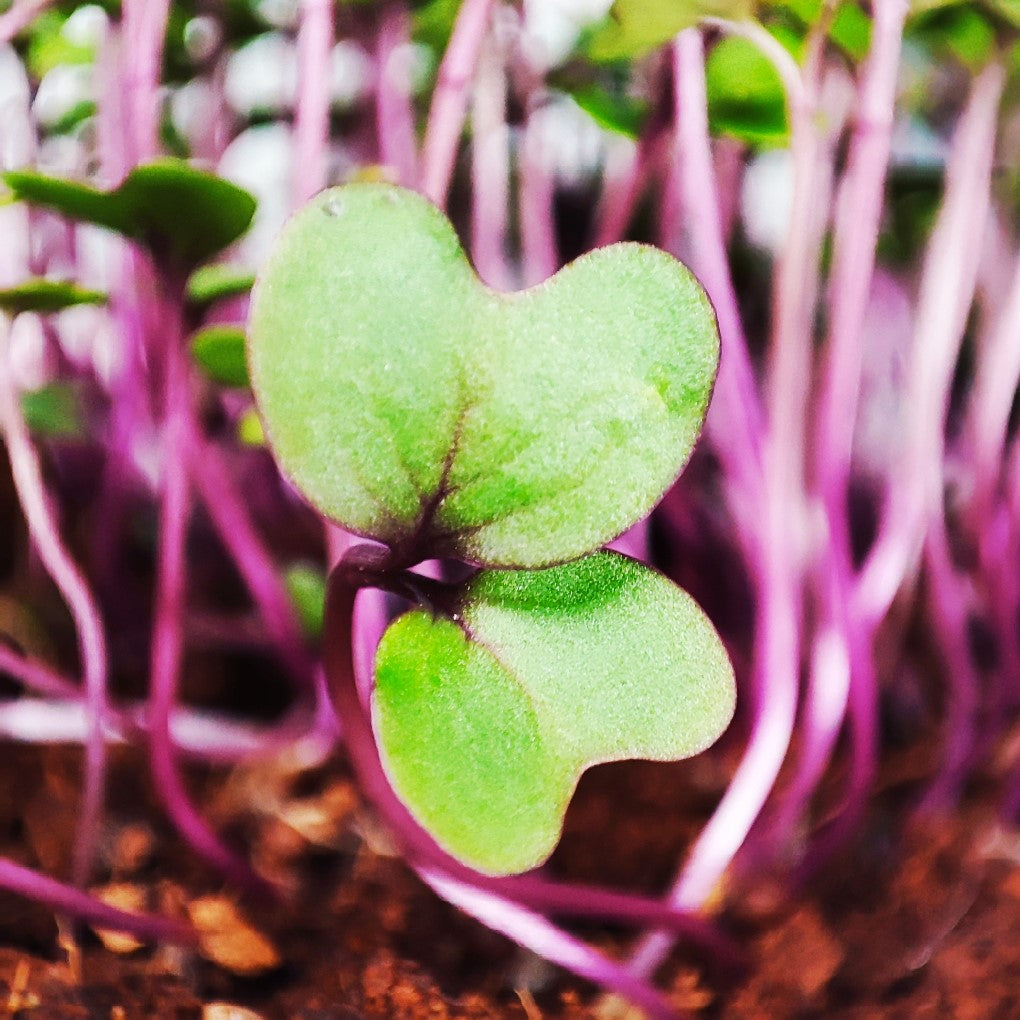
(486, 720)
(413, 405)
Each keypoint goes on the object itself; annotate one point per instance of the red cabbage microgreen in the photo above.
(416, 407)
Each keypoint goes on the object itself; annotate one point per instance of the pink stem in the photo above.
(450, 98)
(950, 614)
(534, 932)
(422, 849)
(622, 188)
(394, 108)
(21, 14)
(946, 294)
(36, 676)
(856, 230)
(145, 24)
(996, 380)
(777, 635)
(59, 564)
(490, 170)
(167, 638)
(69, 900)
(311, 121)
(735, 419)
(539, 256)
(230, 517)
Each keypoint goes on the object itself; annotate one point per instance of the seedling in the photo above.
(518, 434)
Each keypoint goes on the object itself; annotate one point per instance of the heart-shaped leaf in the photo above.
(487, 719)
(183, 215)
(412, 404)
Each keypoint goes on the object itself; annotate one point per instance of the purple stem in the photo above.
(855, 237)
(735, 419)
(230, 517)
(450, 99)
(995, 383)
(145, 24)
(36, 675)
(950, 612)
(534, 932)
(311, 120)
(946, 294)
(394, 107)
(622, 188)
(59, 564)
(69, 900)
(167, 638)
(490, 169)
(996, 378)
(421, 848)
(777, 634)
(19, 17)
(539, 256)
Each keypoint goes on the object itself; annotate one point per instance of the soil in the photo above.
(911, 922)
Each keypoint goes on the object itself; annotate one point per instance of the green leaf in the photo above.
(49, 47)
(636, 27)
(183, 215)
(487, 720)
(412, 404)
(612, 110)
(219, 352)
(249, 429)
(41, 295)
(746, 99)
(54, 411)
(217, 283)
(964, 32)
(78, 114)
(307, 587)
(433, 23)
(851, 30)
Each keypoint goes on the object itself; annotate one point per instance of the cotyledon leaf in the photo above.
(413, 405)
(182, 214)
(486, 719)
(42, 295)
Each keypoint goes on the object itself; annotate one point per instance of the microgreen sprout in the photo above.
(418, 408)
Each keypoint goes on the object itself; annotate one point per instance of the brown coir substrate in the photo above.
(918, 921)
